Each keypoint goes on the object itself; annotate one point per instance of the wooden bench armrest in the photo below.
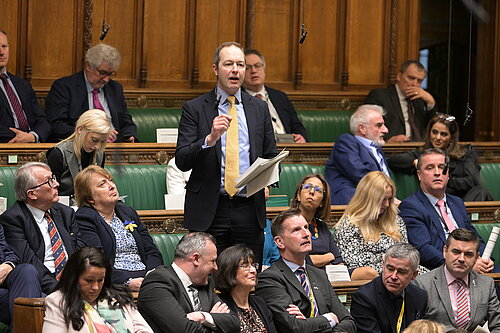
(33, 302)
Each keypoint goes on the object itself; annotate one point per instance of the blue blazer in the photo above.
(96, 232)
(425, 231)
(348, 163)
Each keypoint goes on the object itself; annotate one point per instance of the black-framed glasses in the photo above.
(257, 66)
(51, 182)
(248, 267)
(308, 187)
(103, 73)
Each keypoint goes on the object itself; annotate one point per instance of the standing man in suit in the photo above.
(283, 114)
(16, 280)
(353, 156)
(181, 297)
(91, 88)
(430, 214)
(406, 104)
(290, 281)
(221, 134)
(458, 296)
(41, 231)
(21, 120)
(389, 303)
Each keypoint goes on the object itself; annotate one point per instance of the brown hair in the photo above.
(324, 210)
(455, 150)
(83, 184)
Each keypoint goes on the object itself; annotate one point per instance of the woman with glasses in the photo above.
(82, 148)
(464, 179)
(312, 198)
(370, 224)
(113, 227)
(235, 278)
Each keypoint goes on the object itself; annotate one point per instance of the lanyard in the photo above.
(400, 319)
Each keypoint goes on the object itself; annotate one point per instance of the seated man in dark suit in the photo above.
(91, 88)
(41, 231)
(458, 297)
(181, 297)
(283, 114)
(378, 305)
(21, 120)
(16, 280)
(430, 214)
(406, 104)
(353, 156)
(289, 281)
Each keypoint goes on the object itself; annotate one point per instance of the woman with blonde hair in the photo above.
(82, 148)
(370, 224)
(425, 326)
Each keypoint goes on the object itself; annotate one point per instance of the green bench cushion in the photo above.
(406, 184)
(484, 230)
(166, 243)
(490, 174)
(325, 126)
(7, 187)
(149, 119)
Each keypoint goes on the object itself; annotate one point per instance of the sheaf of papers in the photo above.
(261, 173)
(337, 273)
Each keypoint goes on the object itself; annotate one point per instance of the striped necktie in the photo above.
(303, 281)
(16, 104)
(196, 299)
(57, 247)
(462, 316)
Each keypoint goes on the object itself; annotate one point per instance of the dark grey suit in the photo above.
(484, 304)
(279, 287)
(164, 303)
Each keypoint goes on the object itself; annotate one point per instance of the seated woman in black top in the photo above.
(442, 132)
(312, 198)
(82, 148)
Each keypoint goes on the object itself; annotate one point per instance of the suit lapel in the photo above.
(435, 218)
(316, 289)
(441, 286)
(455, 211)
(82, 88)
(211, 111)
(291, 277)
(180, 287)
(137, 237)
(369, 152)
(63, 232)
(250, 109)
(474, 297)
(396, 105)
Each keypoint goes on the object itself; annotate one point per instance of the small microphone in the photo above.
(445, 169)
(216, 104)
(468, 115)
(105, 29)
(303, 34)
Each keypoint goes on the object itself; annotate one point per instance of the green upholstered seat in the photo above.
(484, 230)
(7, 188)
(144, 185)
(406, 184)
(149, 119)
(490, 174)
(291, 174)
(325, 126)
(166, 243)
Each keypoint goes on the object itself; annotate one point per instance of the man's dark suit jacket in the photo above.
(348, 163)
(286, 111)
(24, 237)
(164, 303)
(36, 118)
(279, 287)
(68, 99)
(374, 309)
(203, 187)
(98, 233)
(6, 253)
(394, 120)
(424, 227)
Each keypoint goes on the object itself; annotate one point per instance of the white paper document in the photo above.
(337, 273)
(261, 173)
(166, 135)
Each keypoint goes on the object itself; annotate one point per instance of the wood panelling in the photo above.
(11, 9)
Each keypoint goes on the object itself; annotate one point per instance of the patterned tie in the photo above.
(16, 105)
(415, 133)
(463, 310)
(305, 285)
(196, 300)
(95, 100)
(232, 167)
(259, 96)
(442, 208)
(57, 247)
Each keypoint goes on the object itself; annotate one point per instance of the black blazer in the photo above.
(258, 304)
(24, 237)
(36, 118)
(164, 303)
(68, 99)
(6, 253)
(279, 287)
(394, 120)
(202, 189)
(374, 310)
(96, 232)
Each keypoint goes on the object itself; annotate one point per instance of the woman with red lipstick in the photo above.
(370, 224)
(85, 300)
(312, 198)
(113, 227)
(443, 133)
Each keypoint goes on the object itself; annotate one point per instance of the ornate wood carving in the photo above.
(87, 27)
(393, 45)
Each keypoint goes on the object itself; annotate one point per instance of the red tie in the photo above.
(444, 214)
(463, 310)
(95, 99)
(16, 105)
(57, 247)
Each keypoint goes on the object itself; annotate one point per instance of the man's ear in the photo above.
(444, 250)
(31, 194)
(361, 129)
(418, 175)
(215, 69)
(279, 242)
(195, 258)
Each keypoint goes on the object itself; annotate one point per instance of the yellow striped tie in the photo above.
(232, 168)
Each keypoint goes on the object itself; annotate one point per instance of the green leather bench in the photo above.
(406, 184)
(166, 243)
(490, 174)
(484, 230)
(7, 187)
(325, 126)
(149, 119)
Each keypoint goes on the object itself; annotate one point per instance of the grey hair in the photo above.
(103, 53)
(362, 116)
(404, 251)
(191, 243)
(222, 46)
(24, 179)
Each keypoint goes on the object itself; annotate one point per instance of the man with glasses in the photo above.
(91, 88)
(21, 120)
(283, 114)
(41, 231)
